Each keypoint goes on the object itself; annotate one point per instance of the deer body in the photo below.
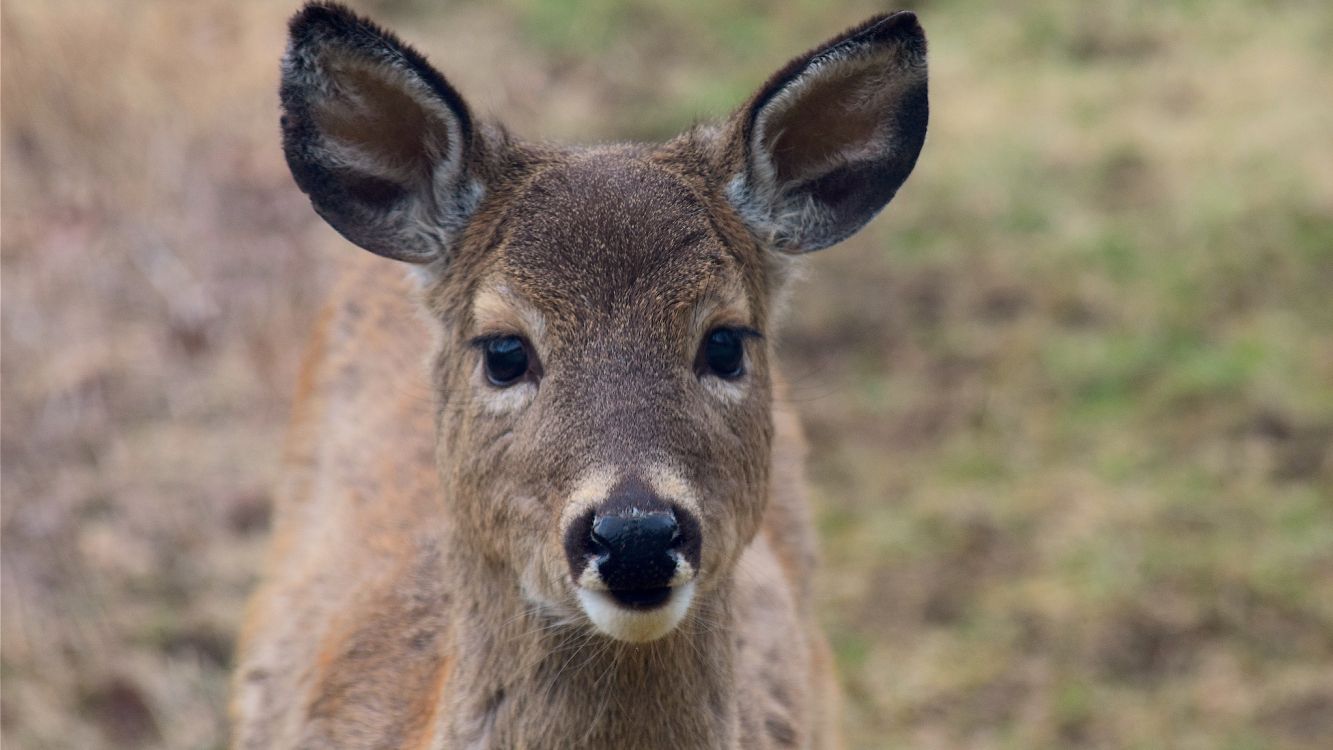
(398, 622)
(539, 496)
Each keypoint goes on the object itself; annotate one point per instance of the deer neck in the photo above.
(522, 676)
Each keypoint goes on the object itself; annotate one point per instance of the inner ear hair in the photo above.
(827, 141)
(379, 128)
(837, 121)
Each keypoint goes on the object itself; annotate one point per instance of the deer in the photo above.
(540, 488)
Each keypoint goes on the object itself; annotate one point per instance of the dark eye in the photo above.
(506, 359)
(723, 353)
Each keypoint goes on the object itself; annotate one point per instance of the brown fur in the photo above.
(417, 593)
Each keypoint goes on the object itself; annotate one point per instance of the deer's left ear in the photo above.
(826, 143)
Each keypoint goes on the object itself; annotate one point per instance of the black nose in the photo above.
(633, 542)
(634, 549)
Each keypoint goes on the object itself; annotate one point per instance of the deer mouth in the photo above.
(636, 615)
(641, 598)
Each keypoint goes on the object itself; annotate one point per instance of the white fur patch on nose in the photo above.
(591, 491)
(671, 485)
(636, 625)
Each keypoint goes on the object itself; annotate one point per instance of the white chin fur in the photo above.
(634, 625)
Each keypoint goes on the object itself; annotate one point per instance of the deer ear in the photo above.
(381, 143)
(826, 143)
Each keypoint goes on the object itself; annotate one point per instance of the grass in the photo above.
(1070, 400)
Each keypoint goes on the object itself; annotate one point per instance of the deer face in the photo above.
(604, 316)
(606, 396)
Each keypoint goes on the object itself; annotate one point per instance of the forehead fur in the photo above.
(609, 234)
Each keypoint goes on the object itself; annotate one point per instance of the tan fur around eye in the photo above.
(497, 309)
(729, 306)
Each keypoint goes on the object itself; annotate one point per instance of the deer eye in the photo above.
(506, 360)
(723, 353)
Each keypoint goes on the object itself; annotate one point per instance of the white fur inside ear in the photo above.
(633, 625)
(797, 137)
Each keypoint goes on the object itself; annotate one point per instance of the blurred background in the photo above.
(1070, 399)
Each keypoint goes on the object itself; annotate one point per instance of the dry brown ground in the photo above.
(1071, 401)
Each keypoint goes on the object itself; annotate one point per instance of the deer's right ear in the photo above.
(376, 137)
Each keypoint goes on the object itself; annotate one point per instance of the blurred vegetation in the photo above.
(1070, 400)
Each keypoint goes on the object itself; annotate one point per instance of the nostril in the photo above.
(597, 539)
(579, 545)
(598, 547)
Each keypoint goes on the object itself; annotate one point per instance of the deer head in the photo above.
(604, 316)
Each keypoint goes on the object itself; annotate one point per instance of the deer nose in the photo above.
(634, 551)
(635, 545)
